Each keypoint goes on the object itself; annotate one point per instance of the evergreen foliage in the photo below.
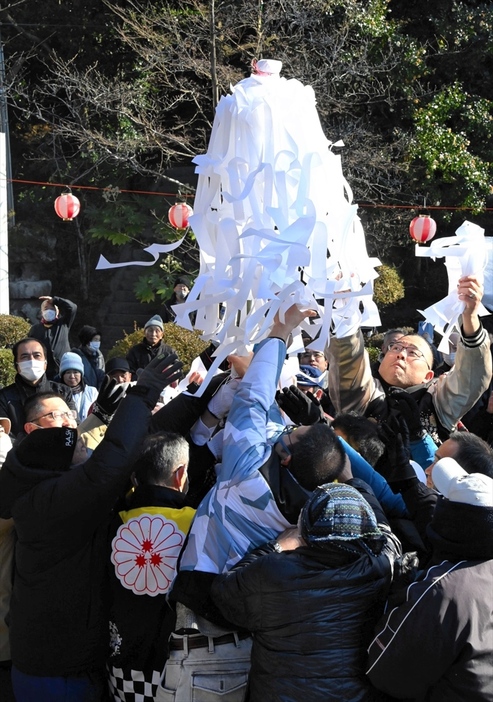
(12, 329)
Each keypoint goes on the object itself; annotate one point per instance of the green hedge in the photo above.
(388, 287)
(12, 329)
(7, 368)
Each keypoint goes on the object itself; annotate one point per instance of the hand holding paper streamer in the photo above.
(465, 255)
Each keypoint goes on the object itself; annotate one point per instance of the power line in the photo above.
(116, 190)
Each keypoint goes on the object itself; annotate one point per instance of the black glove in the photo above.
(300, 408)
(394, 464)
(108, 399)
(157, 375)
(401, 402)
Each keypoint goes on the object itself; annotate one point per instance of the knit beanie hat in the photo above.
(337, 512)
(87, 333)
(48, 449)
(182, 280)
(155, 321)
(71, 361)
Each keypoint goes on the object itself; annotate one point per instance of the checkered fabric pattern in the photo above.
(133, 685)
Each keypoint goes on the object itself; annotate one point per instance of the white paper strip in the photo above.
(154, 250)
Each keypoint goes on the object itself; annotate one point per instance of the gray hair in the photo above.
(161, 455)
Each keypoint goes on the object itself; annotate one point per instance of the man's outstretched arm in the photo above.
(245, 446)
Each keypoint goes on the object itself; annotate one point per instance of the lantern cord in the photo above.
(109, 189)
(367, 205)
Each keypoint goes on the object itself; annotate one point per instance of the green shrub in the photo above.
(373, 352)
(12, 329)
(7, 368)
(388, 287)
(187, 344)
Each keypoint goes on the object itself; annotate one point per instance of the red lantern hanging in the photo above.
(422, 228)
(179, 215)
(67, 206)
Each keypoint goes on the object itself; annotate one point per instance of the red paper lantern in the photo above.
(179, 215)
(67, 206)
(422, 228)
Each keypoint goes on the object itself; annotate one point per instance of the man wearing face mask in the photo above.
(30, 363)
(57, 316)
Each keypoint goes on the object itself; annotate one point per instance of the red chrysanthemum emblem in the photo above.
(144, 552)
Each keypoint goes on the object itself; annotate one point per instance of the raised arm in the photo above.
(245, 445)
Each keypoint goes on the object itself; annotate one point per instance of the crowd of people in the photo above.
(330, 538)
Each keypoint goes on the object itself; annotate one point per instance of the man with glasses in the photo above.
(405, 381)
(46, 411)
(30, 380)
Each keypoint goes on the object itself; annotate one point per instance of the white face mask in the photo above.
(31, 370)
(94, 345)
(49, 315)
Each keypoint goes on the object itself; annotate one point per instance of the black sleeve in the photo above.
(181, 413)
(420, 502)
(133, 361)
(68, 310)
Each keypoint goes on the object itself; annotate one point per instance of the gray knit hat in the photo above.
(337, 512)
(155, 321)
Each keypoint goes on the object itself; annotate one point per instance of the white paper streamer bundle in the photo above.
(271, 205)
(465, 254)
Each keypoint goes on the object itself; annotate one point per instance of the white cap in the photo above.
(5, 423)
(456, 485)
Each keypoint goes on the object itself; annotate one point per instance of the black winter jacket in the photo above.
(55, 336)
(142, 354)
(437, 645)
(59, 616)
(312, 614)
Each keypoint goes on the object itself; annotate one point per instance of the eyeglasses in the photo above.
(70, 414)
(411, 352)
(312, 354)
(280, 439)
